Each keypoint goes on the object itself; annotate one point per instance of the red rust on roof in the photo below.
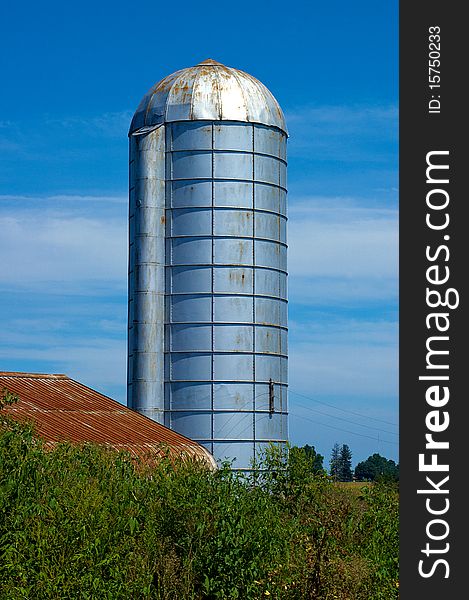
(63, 409)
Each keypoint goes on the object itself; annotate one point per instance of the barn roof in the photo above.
(63, 409)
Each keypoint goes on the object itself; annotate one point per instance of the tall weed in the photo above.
(88, 523)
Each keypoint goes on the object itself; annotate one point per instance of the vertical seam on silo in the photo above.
(283, 390)
(148, 108)
(216, 80)
(253, 299)
(152, 95)
(253, 266)
(130, 274)
(281, 250)
(212, 384)
(280, 259)
(212, 356)
(168, 172)
(235, 75)
(264, 92)
(168, 273)
(191, 103)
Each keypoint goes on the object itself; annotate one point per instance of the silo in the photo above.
(207, 339)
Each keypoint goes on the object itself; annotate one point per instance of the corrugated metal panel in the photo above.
(189, 95)
(226, 292)
(63, 409)
(146, 275)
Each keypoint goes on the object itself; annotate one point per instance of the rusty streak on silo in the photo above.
(207, 262)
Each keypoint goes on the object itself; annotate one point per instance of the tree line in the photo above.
(375, 467)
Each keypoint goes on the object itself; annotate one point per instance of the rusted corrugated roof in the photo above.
(63, 409)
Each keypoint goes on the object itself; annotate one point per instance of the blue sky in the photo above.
(72, 75)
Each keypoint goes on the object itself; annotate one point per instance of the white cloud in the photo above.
(55, 242)
(60, 256)
(97, 362)
(341, 252)
(341, 292)
(325, 329)
(339, 249)
(342, 242)
(340, 368)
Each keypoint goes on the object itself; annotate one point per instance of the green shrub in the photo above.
(85, 522)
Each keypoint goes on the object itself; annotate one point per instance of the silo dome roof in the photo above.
(208, 91)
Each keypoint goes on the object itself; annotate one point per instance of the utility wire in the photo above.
(346, 420)
(344, 430)
(236, 413)
(343, 409)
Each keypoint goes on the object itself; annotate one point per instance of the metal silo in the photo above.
(207, 261)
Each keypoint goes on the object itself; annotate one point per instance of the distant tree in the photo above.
(316, 459)
(377, 467)
(345, 464)
(304, 462)
(334, 467)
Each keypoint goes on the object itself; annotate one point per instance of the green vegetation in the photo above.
(374, 468)
(88, 523)
(316, 460)
(341, 463)
(377, 467)
(345, 471)
(7, 399)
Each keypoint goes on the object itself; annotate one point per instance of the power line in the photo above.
(344, 409)
(344, 430)
(346, 420)
(238, 412)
